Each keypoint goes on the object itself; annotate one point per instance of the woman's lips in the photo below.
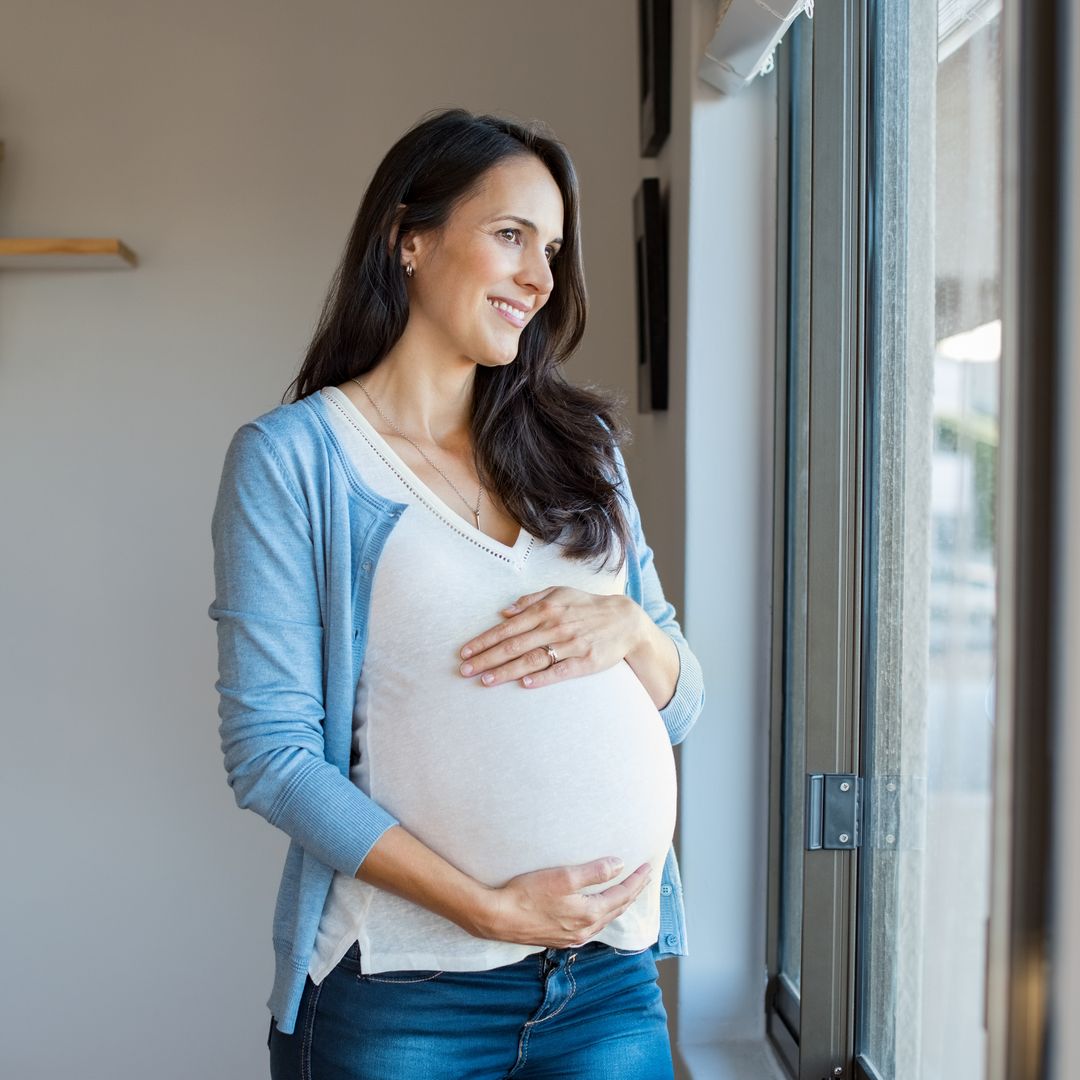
(512, 319)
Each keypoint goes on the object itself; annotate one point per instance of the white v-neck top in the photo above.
(498, 780)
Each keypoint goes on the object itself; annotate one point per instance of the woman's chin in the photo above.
(496, 361)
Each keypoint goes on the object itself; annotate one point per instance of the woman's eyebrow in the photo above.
(524, 221)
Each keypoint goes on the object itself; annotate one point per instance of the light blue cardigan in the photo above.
(296, 539)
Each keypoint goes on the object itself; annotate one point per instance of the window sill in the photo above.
(736, 1060)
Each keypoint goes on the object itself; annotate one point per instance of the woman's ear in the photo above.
(410, 248)
(412, 242)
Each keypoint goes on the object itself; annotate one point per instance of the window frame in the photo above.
(1034, 358)
(814, 1032)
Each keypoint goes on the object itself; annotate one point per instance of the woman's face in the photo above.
(493, 253)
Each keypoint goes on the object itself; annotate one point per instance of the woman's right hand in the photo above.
(541, 907)
(546, 907)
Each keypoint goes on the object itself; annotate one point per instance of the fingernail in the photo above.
(526, 681)
(466, 653)
(487, 677)
(466, 669)
(510, 607)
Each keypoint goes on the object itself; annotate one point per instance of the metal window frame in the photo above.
(1033, 356)
(888, 186)
(792, 242)
(835, 519)
(824, 1032)
(784, 1028)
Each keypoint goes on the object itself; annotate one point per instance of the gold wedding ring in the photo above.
(551, 653)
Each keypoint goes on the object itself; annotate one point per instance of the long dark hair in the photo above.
(545, 446)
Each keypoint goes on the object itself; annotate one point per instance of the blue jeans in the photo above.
(576, 1013)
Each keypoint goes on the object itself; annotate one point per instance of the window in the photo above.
(933, 352)
(891, 314)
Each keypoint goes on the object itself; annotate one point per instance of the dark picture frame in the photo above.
(654, 41)
(650, 259)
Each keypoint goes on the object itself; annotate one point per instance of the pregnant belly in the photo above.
(502, 780)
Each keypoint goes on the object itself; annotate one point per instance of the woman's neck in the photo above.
(428, 402)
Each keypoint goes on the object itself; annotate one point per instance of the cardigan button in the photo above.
(665, 889)
(671, 939)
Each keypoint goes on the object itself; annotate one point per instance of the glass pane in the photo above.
(798, 44)
(932, 426)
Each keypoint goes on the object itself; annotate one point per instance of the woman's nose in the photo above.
(536, 274)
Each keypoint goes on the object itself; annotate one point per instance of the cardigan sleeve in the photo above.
(270, 662)
(688, 699)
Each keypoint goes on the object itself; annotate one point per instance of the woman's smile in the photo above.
(514, 316)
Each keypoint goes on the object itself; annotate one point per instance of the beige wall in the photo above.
(229, 145)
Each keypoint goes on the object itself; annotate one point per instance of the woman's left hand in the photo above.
(589, 632)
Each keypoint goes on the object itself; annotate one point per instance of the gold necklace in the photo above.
(475, 511)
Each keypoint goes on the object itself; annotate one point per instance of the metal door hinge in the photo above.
(833, 809)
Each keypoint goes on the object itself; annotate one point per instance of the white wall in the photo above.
(728, 560)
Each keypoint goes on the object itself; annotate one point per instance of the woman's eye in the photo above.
(550, 252)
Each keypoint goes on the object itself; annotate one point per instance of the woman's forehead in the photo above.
(522, 189)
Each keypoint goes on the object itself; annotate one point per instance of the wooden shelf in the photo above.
(49, 253)
(63, 253)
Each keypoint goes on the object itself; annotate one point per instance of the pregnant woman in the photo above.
(447, 669)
